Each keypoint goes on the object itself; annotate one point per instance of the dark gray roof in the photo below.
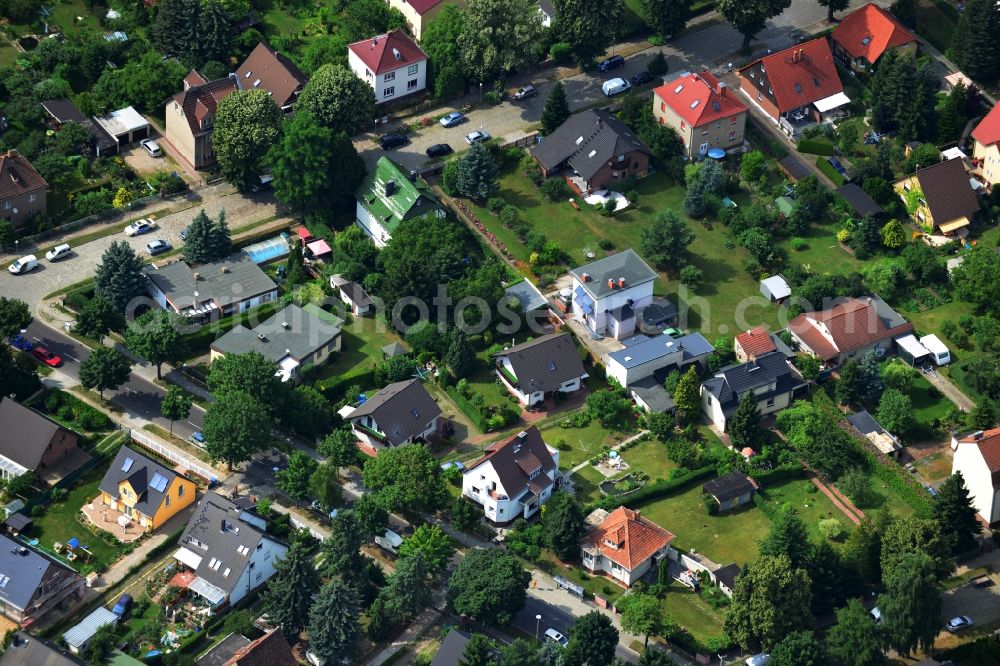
(28, 650)
(627, 264)
(727, 575)
(24, 569)
(356, 293)
(225, 281)
(140, 474)
(18, 521)
(652, 393)
(545, 363)
(516, 459)
(692, 346)
(794, 167)
(401, 410)
(394, 349)
(547, 8)
(657, 315)
(24, 433)
(451, 650)
(587, 141)
(63, 110)
(216, 525)
(947, 191)
(859, 200)
(223, 650)
(732, 381)
(304, 334)
(729, 486)
(865, 423)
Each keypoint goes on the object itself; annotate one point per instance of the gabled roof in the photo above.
(387, 52)
(870, 31)
(545, 363)
(29, 650)
(862, 203)
(690, 346)
(225, 281)
(636, 538)
(271, 649)
(521, 463)
(756, 342)
(269, 70)
(849, 325)
(988, 443)
(947, 191)
(727, 575)
(729, 486)
(731, 382)
(23, 569)
(587, 141)
(698, 98)
(401, 410)
(306, 332)
(390, 196)
(356, 294)
(63, 110)
(799, 75)
(987, 132)
(423, 6)
(201, 98)
(452, 649)
(17, 176)
(24, 433)
(626, 264)
(149, 479)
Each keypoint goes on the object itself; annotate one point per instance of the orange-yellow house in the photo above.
(144, 490)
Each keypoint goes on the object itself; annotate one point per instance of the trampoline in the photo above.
(269, 250)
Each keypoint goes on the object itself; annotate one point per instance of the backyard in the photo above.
(362, 340)
(692, 612)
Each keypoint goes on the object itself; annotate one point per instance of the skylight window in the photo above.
(678, 88)
(247, 75)
(4, 580)
(716, 107)
(415, 413)
(816, 82)
(592, 153)
(695, 103)
(866, 40)
(256, 83)
(158, 483)
(798, 87)
(552, 365)
(579, 140)
(127, 465)
(226, 572)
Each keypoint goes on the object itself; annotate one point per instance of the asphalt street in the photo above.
(553, 617)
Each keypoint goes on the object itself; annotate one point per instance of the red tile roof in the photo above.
(271, 649)
(871, 31)
(989, 447)
(200, 100)
(756, 342)
(423, 6)
(17, 176)
(987, 132)
(809, 66)
(844, 328)
(378, 52)
(637, 538)
(696, 98)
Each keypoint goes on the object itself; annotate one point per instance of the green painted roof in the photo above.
(411, 198)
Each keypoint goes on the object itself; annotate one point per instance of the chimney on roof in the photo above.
(722, 88)
(585, 277)
(611, 283)
(523, 434)
(196, 276)
(284, 325)
(224, 268)
(621, 282)
(977, 435)
(12, 152)
(374, 42)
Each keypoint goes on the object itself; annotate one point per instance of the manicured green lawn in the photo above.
(690, 611)
(823, 254)
(361, 348)
(485, 382)
(929, 405)
(59, 524)
(812, 507)
(585, 442)
(586, 481)
(650, 458)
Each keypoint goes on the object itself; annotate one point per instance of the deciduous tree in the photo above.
(293, 480)
(750, 16)
(562, 524)
(176, 405)
(643, 615)
(833, 6)
(156, 337)
(105, 368)
(895, 411)
(589, 27)
(854, 639)
(489, 586)
(247, 124)
(323, 486)
(666, 18)
(799, 648)
(431, 545)
(252, 374)
(915, 535)
(408, 477)
(911, 605)
(439, 40)
(498, 36)
(338, 100)
(977, 279)
(235, 427)
(14, 317)
(97, 319)
(340, 447)
(665, 241)
(593, 641)
(771, 600)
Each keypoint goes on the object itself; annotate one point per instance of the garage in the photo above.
(125, 126)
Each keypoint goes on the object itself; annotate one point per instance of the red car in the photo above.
(46, 357)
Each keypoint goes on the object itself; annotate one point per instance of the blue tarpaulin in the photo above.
(73, 543)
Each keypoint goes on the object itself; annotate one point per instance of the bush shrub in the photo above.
(556, 189)
(816, 147)
(561, 53)
(799, 244)
(828, 169)
(495, 204)
(492, 97)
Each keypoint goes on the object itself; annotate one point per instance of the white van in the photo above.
(59, 252)
(616, 86)
(876, 615)
(25, 264)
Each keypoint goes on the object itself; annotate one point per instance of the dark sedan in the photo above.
(642, 78)
(439, 150)
(390, 141)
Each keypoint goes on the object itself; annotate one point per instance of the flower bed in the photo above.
(623, 486)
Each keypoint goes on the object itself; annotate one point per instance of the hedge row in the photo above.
(468, 409)
(771, 477)
(334, 388)
(815, 147)
(658, 489)
(828, 169)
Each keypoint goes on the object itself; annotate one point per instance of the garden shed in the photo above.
(775, 288)
(78, 637)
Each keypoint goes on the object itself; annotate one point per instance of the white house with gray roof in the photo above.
(771, 378)
(546, 365)
(233, 284)
(607, 293)
(292, 338)
(644, 356)
(32, 586)
(400, 413)
(229, 551)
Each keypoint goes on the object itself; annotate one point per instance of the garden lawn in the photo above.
(823, 254)
(584, 443)
(934, 467)
(586, 482)
(485, 382)
(929, 405)
(593, 584)
(59, 524)
(934, 25)
(361, 349)
(690, 611)
(812, 507)
(649, 458)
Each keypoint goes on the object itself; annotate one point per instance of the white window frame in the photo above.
(388, 76)
(389, 92)
(412, 69)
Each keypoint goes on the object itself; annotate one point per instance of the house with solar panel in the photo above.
(608, 292)
(388, 196)
(143, 490)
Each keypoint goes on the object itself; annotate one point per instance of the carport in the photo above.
(912, 351)
(124, 125)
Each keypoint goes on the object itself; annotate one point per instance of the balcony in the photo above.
(511, 379)
(370, 432)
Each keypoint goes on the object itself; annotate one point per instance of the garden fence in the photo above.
(173, 455)
(82, 222)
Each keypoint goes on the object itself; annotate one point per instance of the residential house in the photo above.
(30, 441)
(986, 149)
(770, 377)
(646, 356)
(977, 458)
(229, 551)
(940, 198)
(392, 64)
(731, 490)
(607, 293)
(849, 329)
(33, 586)
(271, 649)
(702, 111)
(725, 578)
(548, 12)
(218, 288)
(292, 338)
(356, 298)
(144, 490)
(266, 69)
(755, 342)
(419, 13)
(623, 545)
(513, 478)
(62, 111)
(452, 649)
(866, 34)
(22, 190)
(400, 413)
(546, 365)
(190, 116)
(387, 196)
(873, 431)
(797, 87)
(77, 638)
(859, 200)
(592, 150)
(30, 650)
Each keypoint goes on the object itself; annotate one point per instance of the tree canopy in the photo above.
(750, 16)
(118, 278)
(288, 596)
(407, 477)
(488, 585)
(498, 36)
(338, 100)
(235, 427)
(665, 241)
(588, 27)
(247, 124)
(156, 337)
(771, 600)
(104, 368)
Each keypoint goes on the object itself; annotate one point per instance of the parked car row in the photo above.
(29, 262)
